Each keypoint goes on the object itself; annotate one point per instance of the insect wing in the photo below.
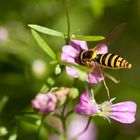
(101, 48)
(114, 33)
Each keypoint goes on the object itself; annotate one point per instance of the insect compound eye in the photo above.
(87, 54)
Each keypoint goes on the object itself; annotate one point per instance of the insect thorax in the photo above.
(87, 55)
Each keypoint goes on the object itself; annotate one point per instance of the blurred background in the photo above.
(24, 67)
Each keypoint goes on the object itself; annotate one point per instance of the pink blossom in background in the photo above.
(44, 102)
(71, 53)
(77, 125)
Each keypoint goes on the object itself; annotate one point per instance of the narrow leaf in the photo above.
(82, 75)
(89, 38)
(43, 44)
(82, 68)
(46, 30)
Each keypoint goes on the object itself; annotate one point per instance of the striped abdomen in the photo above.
(112, 61)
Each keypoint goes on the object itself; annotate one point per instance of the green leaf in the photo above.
(43, 44)
(80, 67)
(89, 38)
(46, 30)
(81, 70)
(29, 118)
(82, 75)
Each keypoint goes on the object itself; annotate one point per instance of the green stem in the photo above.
(69, 113)
(63, 119)
(64, 128)
(63, 111)
(68, 22)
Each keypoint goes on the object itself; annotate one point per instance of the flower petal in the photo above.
(85, 110)
(85, 107)
(71, 72)
(123, 112)
(95, 77)
(65, 57)
(79, 45)
(70, 50)
(84, 97)
(124, 106)
(101, 49)
(44, 103)
(123, 117)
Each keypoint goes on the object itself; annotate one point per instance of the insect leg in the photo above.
(111, 78)
(91, 65)
(107, 89)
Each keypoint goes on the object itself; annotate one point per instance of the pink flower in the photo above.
(123, 112)
(44, 103)
(86, 105)
(77, 125)
(71, 53)
(75, 129)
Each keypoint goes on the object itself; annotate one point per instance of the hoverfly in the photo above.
(108, 60)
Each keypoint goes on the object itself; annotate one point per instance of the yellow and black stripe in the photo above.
(112, 61)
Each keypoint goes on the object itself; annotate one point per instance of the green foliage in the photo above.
(43, 44)
(46, 30)
(18, 51)
(89, 38)
(80, 67)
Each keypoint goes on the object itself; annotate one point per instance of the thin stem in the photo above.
(64, 124)
(68, 21)
(64, 108)
(63, 119)
(69, 113)
(85, 129)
